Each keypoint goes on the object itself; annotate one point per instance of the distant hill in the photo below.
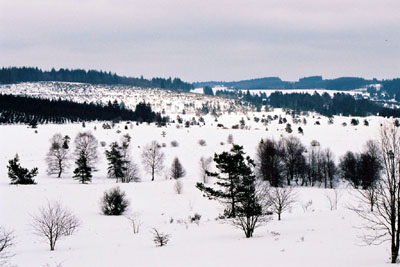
(29, 74)
(313, 82)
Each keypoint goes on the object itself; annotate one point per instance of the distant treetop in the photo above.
(30, 74)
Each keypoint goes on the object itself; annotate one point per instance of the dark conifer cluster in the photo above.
(29, 74)
(33, 111)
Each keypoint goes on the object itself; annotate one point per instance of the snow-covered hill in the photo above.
(317, 236)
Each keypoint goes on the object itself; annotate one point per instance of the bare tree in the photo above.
(178, 186)
(205, 166)
(293, 151)
(135, 221)
(328, 168)
(58, 155)
(6, 242)
(86, 143)
(131, 173)
(229, 139)
(281, 199)
(333, 198)
(53, 222)
(383, 222)
(153, 158)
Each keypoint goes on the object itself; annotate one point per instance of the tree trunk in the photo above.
(59, 168)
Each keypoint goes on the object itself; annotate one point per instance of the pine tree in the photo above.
(241, 194)
(116, 162)
(177, 170)
(249, 211)
(20, 175)
(232, 166)
(83, 172)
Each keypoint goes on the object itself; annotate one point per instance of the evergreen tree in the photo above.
(232, 166)
(249, 210)
(83, 171)
(18, 174)
(177, 170)
(116, 162)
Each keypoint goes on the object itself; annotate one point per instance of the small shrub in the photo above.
(106, 126)
(202, 142)
(174, 143)
(103, 143)
(160, 239)
(354, 122)
(195, 218)
(288, 128)
(229, 139)
(178, 186)
(135, 221)
(114, 202)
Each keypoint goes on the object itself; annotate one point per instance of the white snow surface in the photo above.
(318, 237)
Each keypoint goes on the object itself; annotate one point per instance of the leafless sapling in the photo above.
(153, 158)
(54, 221)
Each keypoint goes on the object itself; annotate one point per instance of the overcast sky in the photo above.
(205, 39)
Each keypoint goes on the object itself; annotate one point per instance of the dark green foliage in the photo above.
(207, 90)
(317, 82)
(28, 74)
(116, 162)
(362, 169)
(83, 172)
(32, 111)
(269, 162)
(354, 122)
(232, 167)
(18, 174)
(114, 202)
(249, 210)
(288, 128)
(238, 190)
(177, 170)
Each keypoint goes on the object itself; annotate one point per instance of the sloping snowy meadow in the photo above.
(309, 234)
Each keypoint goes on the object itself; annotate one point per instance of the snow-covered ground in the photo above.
(316, 237)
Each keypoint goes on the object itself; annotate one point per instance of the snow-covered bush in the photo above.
(114, 202)
(160, 239)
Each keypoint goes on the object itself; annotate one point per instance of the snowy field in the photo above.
(318, 237)
(313, 237)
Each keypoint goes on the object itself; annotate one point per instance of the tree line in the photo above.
(30, 74)
(338, 104)
(313, 82)
(33, 111)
